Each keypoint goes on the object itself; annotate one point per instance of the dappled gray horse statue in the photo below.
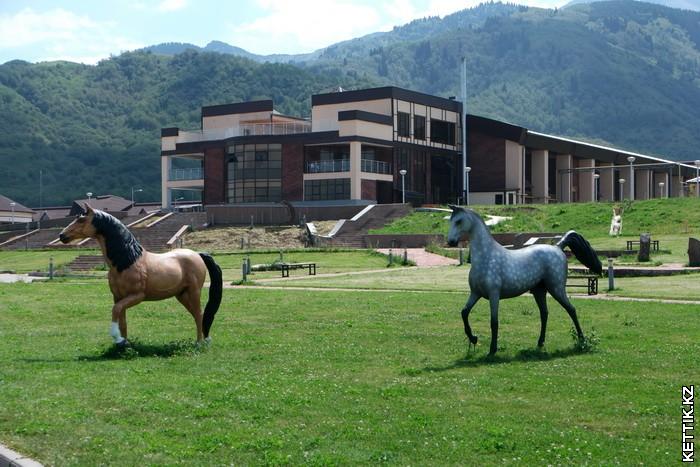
(498, 273)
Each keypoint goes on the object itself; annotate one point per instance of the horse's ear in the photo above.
(88, 209)
(453, 207)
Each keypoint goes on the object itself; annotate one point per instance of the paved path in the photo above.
(11, 278)
(421, 257)
(15, 459)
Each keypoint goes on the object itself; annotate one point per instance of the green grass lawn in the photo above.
(38, 260)
(327, 262)
(300, 377)
(659, 216)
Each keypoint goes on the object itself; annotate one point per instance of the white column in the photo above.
(540, 175)
(563, 183)
(607, 182)
(355, 170)
(643, 180)
(677, 186)
(586, 181)
(165, 193)
(514, 167)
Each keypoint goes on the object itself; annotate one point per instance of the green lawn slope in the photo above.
(658, 216)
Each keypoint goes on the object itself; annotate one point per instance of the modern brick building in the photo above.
(356, 145)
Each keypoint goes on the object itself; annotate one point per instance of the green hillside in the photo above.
(620, 72)
(657, 216)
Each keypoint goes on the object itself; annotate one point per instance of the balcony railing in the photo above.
(194, 173)
(245, 129)
(336, 165)
(375, 167)
(343, 165)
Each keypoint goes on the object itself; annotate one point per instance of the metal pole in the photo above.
(403, 188)
(244, 271)
(463, 88)
(611, 275)
(51, 267)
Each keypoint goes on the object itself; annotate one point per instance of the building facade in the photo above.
(382, 145)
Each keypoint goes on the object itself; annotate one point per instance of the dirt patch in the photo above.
(229, 238)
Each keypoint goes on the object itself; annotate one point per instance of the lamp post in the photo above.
(466, 184)
(596, 181)
(631, 160)
(622, 183)
(89, 195)
(137, 190)
(403, 185)
(12, 205)
(661, 189)
(697, 178)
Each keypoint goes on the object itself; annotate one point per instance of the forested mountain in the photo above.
(683, 4)
(626, 73)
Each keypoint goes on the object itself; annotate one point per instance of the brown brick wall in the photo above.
(487, 158)
(293, 172)
(214, 176)
(369, 189)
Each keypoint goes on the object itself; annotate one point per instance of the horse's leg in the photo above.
(118, 310)
(493, 301)
(473, 298)
(559, 294)
(122, 323)
(540, 294)
(190, 299)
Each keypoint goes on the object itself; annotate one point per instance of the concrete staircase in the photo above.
(86, 263)
(155, 238)
(351, 233)
(38, 239)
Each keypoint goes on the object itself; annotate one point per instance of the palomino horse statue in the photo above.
(498, 273)
(136, 275)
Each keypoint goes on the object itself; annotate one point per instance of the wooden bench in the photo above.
(654, 244)
(286, 267)
(591, 282)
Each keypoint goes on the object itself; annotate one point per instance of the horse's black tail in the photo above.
(582, 250)
(215, 289)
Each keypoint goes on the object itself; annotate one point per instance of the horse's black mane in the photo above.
(121, 246)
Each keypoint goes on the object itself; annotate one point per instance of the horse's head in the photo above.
(462, 222)
(81, 227)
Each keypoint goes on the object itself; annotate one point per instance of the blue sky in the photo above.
(89, 30)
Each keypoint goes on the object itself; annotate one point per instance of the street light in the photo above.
(661, 189)
(466, 186)
(697, 178)
(137, 190)
(631, 160)
(596, 181)
(89, 195)
(403, 185)
(622, 183)
(12, 205)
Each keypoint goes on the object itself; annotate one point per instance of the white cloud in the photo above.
(60, 35)
(307, 25)
(172, 5)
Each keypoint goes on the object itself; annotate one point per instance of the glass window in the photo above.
(317, 190)
(442, 132)
(254, 173)
(404, 123)
(419, 127)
